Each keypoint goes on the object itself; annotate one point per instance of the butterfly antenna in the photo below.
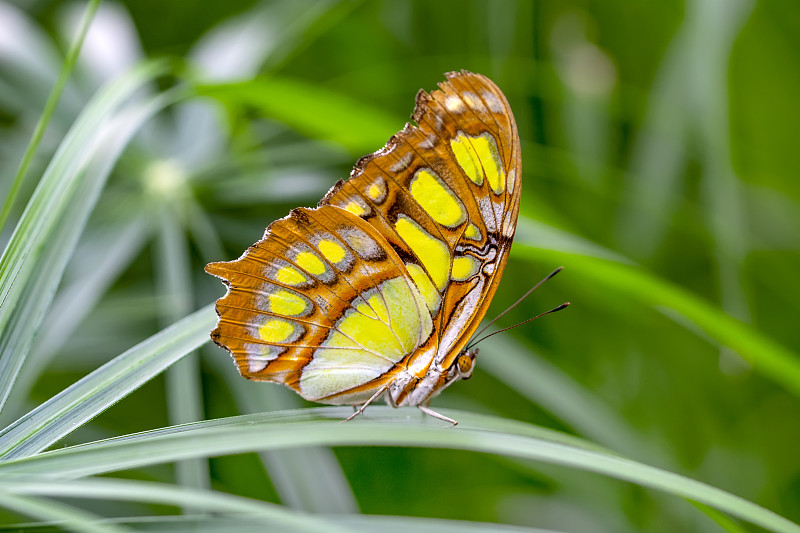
(559, 308)
(495, 319)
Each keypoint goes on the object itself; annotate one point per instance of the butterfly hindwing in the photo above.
(321, 304)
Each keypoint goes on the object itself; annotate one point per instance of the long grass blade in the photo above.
(95, 393)
(184, 389)
(268, 514)
(714, 28)
(545, 385)
(313, 111)
(403, 524)
(49, 109)
(55, 513)
(62, 175)
(103, 258)
(382, 426)
(659, 156)
(767, 356)
(238, 513)
(34, 260)
(310, 479)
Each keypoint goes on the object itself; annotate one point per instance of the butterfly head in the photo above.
(464, 364)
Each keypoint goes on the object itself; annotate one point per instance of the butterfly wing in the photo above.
(322, 304)
(445, 195)
(394, 270)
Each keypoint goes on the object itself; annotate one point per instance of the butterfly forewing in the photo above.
(451, 202)
(383, 284)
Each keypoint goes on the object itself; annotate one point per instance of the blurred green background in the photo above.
(660, 167)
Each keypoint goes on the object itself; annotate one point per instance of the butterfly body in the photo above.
(376, 292)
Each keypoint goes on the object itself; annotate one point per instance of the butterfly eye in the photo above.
(465, 362)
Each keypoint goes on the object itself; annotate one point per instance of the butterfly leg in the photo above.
(390, 401)
(428, 411)
(372, 398)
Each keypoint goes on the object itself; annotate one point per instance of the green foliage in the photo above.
(659, 169)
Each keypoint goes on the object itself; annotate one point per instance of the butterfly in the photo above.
(376, 292)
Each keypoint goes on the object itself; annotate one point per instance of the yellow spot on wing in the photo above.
(310, 263)
(464, 267)
(467, 158)
(478, 156)
(472, 232)
(486, 148)
(356, 209)
(433, 253)
(425, 286)
(437, 199)
(286, 303)
(275, 330)
(377, 190)
(290, 276)
(332, 251)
